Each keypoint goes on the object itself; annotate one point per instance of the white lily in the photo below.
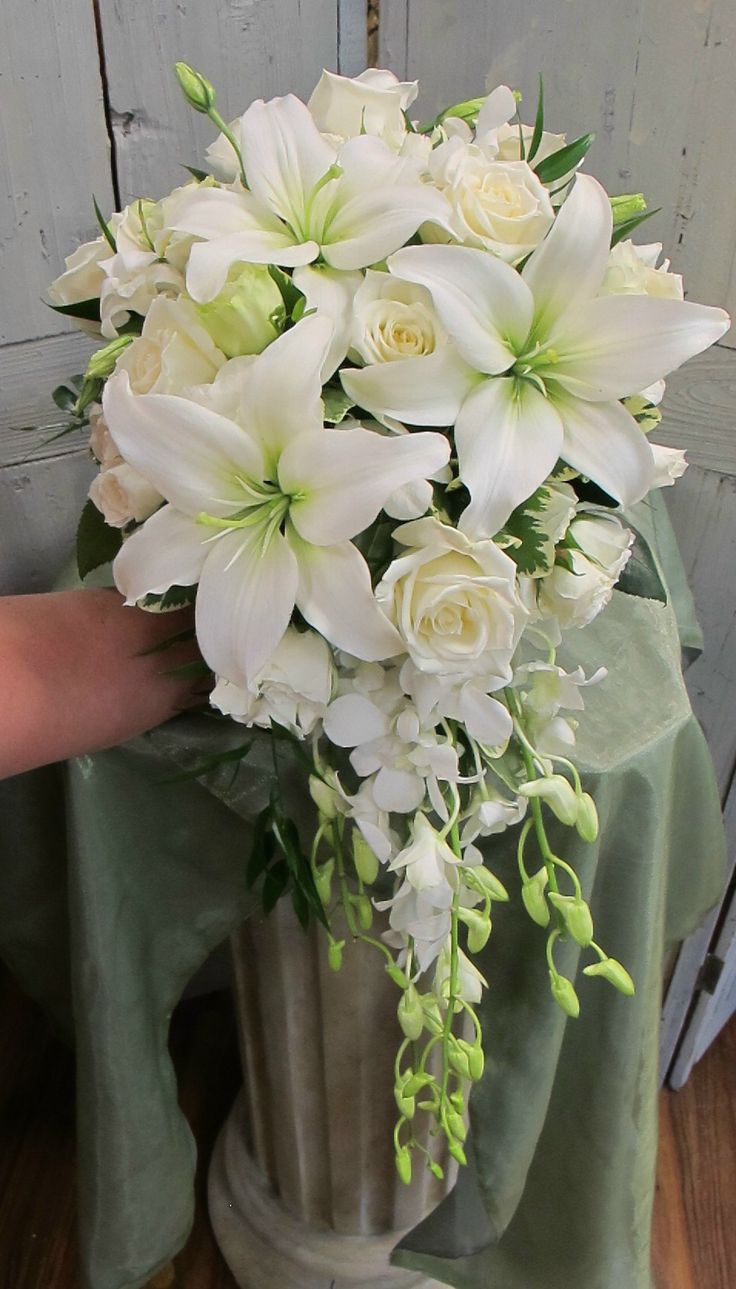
(550, 362)
(262, 507)
(305, 199)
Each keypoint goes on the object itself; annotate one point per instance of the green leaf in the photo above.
(536, 138)
(89, 310)
(64, 397)
(628, 226)
(533, 552)
(196, 668)
(179, 638)
(337, 404)
(565, 159)
(289, 293)
(301, 906)
(274, 884)
(212, 763)
(104, 227)
(199, 175)
(97, 543)
(641, 576)
(177, 597)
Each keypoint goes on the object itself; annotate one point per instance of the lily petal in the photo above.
(331, 292)
(568, 267)
(284, 153)
(210, 262)
(427, 390)
(282, 389)
(167, 551)
(604, 442)
(508, 438)
(189, 453)
(373, 223)
(336, 598)
(244, 602)
(340, 478)
(619, 344)
(483, 303)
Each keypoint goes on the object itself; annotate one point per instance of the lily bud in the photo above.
(403, 1164)
(334, 954)
(197, 90)
(365, 860)
(577, 916)
(587, 820)
(535, 903)
(323, 881)
(479, 928)
(409, 1011)
(557, 793)
(564, 994)
(614, 973)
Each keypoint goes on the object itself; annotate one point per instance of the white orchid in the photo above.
(261, 510)
(306, 198)
(550, 361)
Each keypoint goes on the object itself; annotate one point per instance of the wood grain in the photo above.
(694, 1232)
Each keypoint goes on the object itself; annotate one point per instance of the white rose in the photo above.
(172, 352)
(632, 271)
(604, 539)
(101, 443)
(575, 594)
(669, 464)
(123, 495)
(499, 206)
(293, 689)
(454, 601)
(372, 103)
(393, 319)
(133, 290)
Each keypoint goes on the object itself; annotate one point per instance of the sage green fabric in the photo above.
(115, 886)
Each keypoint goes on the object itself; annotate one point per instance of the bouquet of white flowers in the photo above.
(373, 395)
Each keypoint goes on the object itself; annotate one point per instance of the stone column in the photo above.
(303, 1189)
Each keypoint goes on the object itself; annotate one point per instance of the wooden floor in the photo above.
(695, 1218)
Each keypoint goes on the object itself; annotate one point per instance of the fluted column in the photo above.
(303, 1188)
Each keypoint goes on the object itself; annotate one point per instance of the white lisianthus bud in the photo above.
(239, 318)
(123, 495)
(172, 352)
(556, 793)
(602, 538)
(454, 600)
(82, 279)
(372, 103)
(127, 290)
(632, 271)
(669, 464)
(196, 89)
(509, 148)
(293, 689)
(499, 206)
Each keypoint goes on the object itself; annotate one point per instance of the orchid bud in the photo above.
(479, 928)
(364, 909)
(459, 1060)
(456, 1125)
(323, 881)
(398, 976)
(557, 793)
(197, 90)
(535, 903)
(403, 1164)
(410, 1013)
(587, 820)
(487, 882)
(415, 1083)
(435, 1169)
(476, 1063)
(614, 973)
(457, 1101)
(457, 1151)
(564, 994)
(576, 915)
(406, 1104)
(365, 859)
(334, 954)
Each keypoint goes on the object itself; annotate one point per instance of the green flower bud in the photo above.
(415, 1083)
(626, 206)
(334, 954)
(366, 862)
(535, 902)
(364, 909)
(587, 820)
(456, 1125)
(457, 1151)
(484, 880)
(435, 1170)
(407, 1105)
(403, 1164)
(466, 111)
(398, 976)
(196, 89)
(323, 796)
(239, 318)
(323, 881)
(614, 973)
(577, 916)
(102, 363)
(564, 994)
(557, 793)
(410, 1013)
(459, 1061)
(457, 1101)
(476, 1063)
(479, 928)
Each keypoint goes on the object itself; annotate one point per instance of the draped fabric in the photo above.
(116, 883)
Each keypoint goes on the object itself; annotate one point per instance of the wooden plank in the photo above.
(672, 1262)
(699, 410)
(54, 152)
(352, 37)
(40, 503)
(247, 48)
(29, 372)
(651, 77)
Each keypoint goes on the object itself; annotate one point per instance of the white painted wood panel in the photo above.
(29, 372)
(653, 78)
(40, 503)
(247, 48)
(699, 410)
(54, 153)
